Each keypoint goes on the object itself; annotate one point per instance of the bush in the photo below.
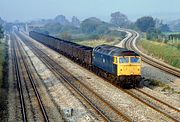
(153, 34)
(1, 32)
(178, 46)
(94, 36)
(165, 41)
(156, 83)
(110, 39)
(66, 36)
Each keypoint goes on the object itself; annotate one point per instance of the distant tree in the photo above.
(145, 23)
(1, 21)
(52, 27)
(94, 25)
(61, 19)
(70, 29)
(94, 36)
(117, 33)
(75, 21)
(164, 28)
(1, 32)
(178, 46)
(119, 19)
(8, 26)
(66, 36)
(90, 25)
(102, 29)
(174, 25)
(158, 23)
(153, 34)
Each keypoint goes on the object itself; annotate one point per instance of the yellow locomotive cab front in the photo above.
(129, 66)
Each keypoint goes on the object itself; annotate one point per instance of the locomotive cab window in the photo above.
(115, 60)
(135, 59)
(124, 60)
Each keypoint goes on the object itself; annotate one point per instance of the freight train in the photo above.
(116, 64)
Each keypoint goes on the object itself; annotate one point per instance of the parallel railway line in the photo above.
(166, 104)
(138, 93)
(154, 103)
(29, 78)
(131, 44)
(106, 110)
(19, 82)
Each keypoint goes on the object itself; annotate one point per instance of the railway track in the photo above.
(154, 103)
(106, 110)
(149, 100)
(30, 78)
(131, 44)
(170, 106)
(18, 80)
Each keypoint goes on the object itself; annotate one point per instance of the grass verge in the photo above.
(167, 53)
(3, 80)
(94, 43)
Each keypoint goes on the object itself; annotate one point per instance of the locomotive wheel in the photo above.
(140, 84)
(121, 84)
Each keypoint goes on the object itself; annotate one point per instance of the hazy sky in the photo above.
(25, 10)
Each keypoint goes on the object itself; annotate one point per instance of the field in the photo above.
(168, 53)
(94, 43)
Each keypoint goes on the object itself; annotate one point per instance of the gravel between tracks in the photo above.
(151, 72)
(160, 96)
(118, 98)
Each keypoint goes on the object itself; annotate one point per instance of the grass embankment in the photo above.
(168, 53)
(3, 80)
(2, 59)
(94, 43)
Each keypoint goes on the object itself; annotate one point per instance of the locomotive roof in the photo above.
(114, 51)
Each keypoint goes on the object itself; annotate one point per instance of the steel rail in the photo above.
(29, 73)
(18, 78)
(131, 44)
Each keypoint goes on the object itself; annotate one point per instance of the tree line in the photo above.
(1, 32)
(147, 24)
